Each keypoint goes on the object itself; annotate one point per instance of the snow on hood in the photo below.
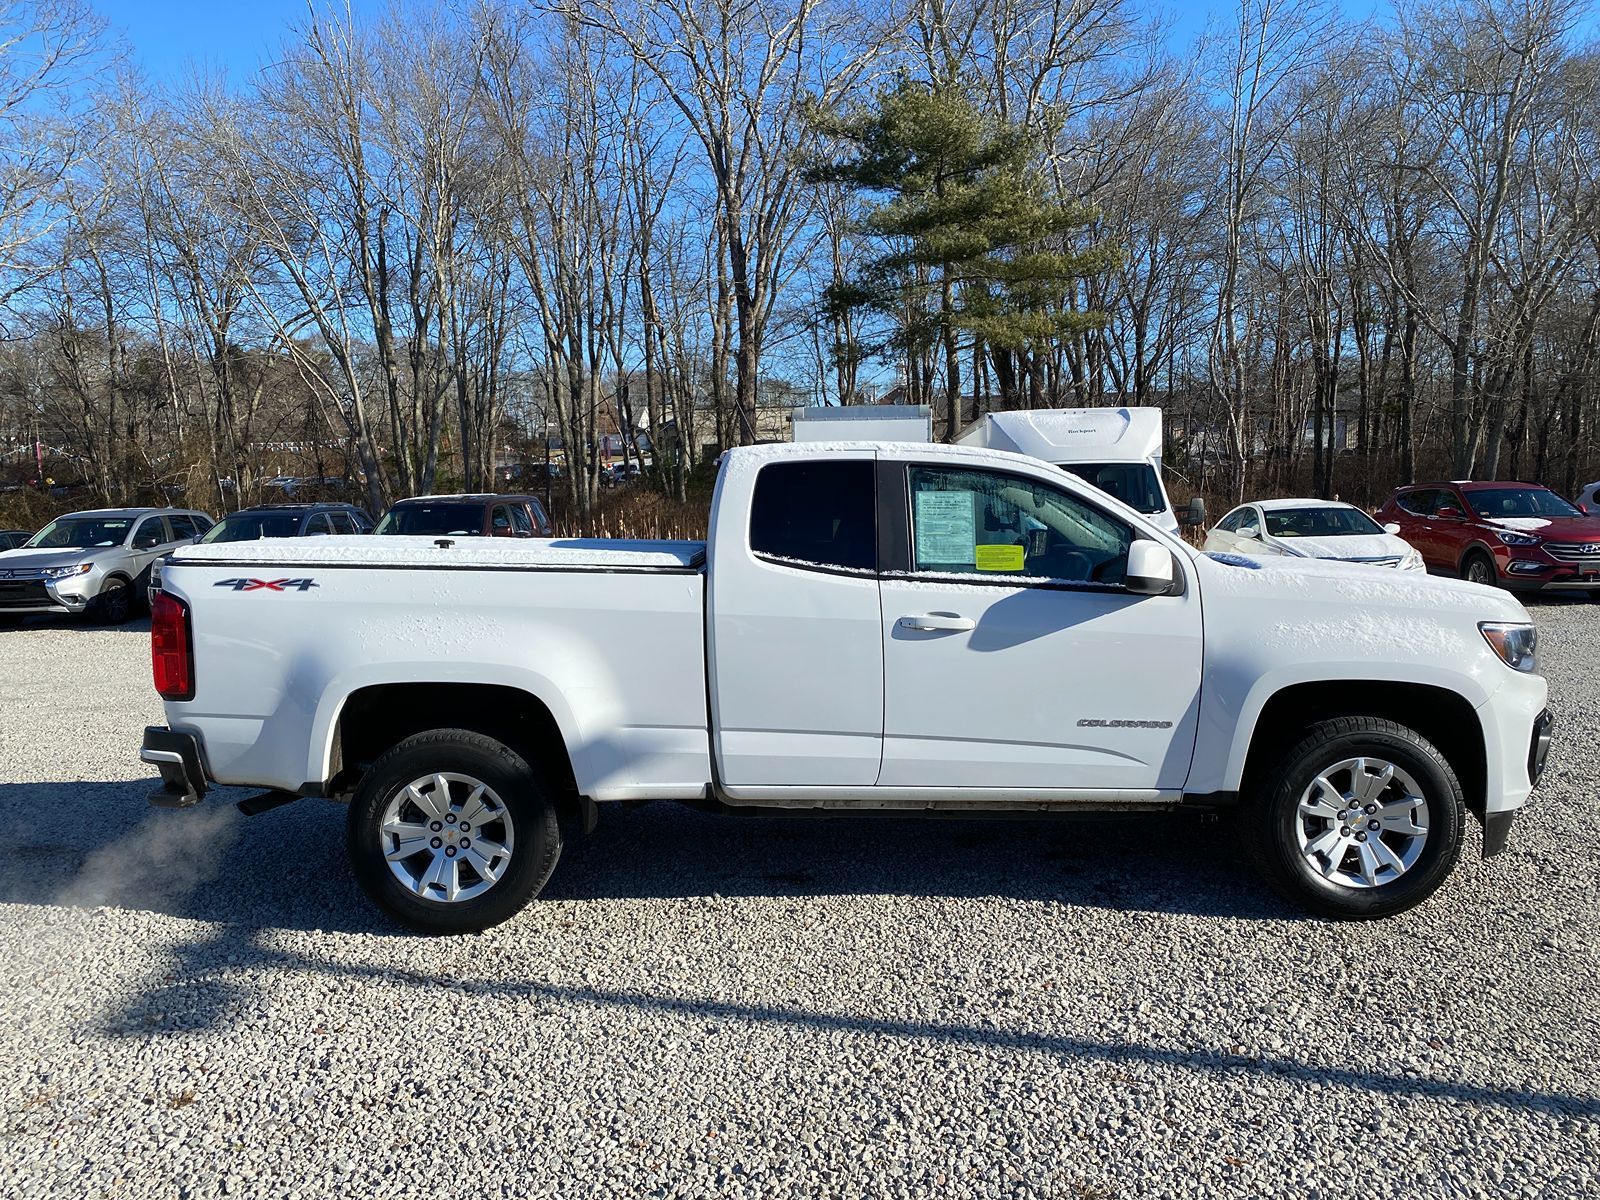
(1519, 522)
(1310, 580)
(1354, 545)
(26, 560)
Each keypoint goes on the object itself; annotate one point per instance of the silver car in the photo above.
(96, 562)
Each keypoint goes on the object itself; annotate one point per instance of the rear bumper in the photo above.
(177, 756)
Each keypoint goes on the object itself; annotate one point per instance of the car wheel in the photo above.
(1478, 567)
(451, 832)
(114, 604)
(1362, 818)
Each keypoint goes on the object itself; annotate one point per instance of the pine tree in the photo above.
(974, 242)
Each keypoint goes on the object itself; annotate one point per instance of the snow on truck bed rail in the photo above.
(370, 550)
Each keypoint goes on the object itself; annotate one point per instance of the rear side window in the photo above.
(817, 513)
(1419, 503)
(150, 534)
(182, 526)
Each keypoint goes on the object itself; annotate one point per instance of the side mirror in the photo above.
(1149, 570)
(1194, 513)
(1449, 513)
(1391, 527)
(1247, 531)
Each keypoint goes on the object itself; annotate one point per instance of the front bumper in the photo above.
(40, 596)
(1497, 825)
(177, 756)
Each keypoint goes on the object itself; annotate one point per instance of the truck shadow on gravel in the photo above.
(86, 844)
(69, 844)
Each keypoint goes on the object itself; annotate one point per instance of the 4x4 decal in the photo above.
(267, 585)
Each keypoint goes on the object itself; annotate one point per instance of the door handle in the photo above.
(938, 623)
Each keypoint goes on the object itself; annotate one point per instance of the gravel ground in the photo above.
(199, 1004)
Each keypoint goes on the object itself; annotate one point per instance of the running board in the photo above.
(254, 806)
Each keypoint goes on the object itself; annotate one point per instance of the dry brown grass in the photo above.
(638, 512)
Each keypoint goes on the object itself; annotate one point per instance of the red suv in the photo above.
(1518, 535)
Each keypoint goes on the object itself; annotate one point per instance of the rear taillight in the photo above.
(171, 647)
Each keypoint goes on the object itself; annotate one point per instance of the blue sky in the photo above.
(168, 37)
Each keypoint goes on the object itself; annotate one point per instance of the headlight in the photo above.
(66, 572)
(1516, 644)
(1413, 561)
(1517, 539)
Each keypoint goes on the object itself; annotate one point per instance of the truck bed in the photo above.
(611, 632)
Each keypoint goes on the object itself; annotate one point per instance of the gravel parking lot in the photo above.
(199, 1004)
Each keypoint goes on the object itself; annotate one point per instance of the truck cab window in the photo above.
(821, 513)
(986, 523)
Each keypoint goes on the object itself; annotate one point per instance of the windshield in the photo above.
(460, 520)
(1495, 503)
(1135, 484)
(1319, 522)
(82, 533)
(250, 527)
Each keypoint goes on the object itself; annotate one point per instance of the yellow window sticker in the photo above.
(999, 558)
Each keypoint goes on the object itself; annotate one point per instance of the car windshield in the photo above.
(1135, 484)
(1496, 503)
(460, 520)
(1319, 522)
(81, 533)
(250, 527)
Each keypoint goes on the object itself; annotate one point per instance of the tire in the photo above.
(1478, 567)
(115, 603)
(1307, 841)
(520, 820)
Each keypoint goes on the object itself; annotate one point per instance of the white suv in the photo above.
(96, 562)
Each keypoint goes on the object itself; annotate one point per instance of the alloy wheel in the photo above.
(1362, 822)
(447, 837)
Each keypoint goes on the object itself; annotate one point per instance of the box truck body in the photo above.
(1116, 449)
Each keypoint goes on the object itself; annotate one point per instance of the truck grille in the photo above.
(1573, 551)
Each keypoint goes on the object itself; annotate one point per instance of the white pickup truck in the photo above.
(869, 627)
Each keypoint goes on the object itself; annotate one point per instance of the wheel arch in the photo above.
(377, 716)
(1444, 717)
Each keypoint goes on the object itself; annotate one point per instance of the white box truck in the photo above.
(1118, 450)
(864, 423)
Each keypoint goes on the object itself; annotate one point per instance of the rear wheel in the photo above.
(1362, 818)
(451, 832)
(1478, 567)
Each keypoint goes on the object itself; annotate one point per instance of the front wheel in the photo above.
(114, 604)
(1362, 818)
(1478, 568)
(451, 832)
